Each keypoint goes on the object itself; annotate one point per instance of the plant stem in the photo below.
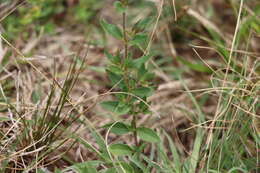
(135, 130)
(125, 37)
(126, 53)
(126, 77)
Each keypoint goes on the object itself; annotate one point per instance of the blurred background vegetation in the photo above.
(192, 47)
(36, 15)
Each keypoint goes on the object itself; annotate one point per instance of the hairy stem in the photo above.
(135, 130)
(126, 77)
(125, 35)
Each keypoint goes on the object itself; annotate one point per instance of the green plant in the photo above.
(131, 79)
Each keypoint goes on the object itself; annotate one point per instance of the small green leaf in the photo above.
(143, 92)
(85, 168)
(144, 108)
(103, 154)
(139, 39)
(142, 24)
(36, 96)
(115, 69)
(174, 153)
(115, 78)
(139, 149)
(122, 109)
(119, 128)
(127, 167)
(142, 60)
(141, 71)
(110, 105)
(113, 59)
(111, 29)
(119, 7)
(108, 55)
(148, 135)
(152, 164)
(43, 171)
(120, 149)
(116, 107)
(129, 63)
(138, 163)
(197, 67)
(111, 170)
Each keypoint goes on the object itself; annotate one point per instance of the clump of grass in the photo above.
(44, 132)
(231, 143)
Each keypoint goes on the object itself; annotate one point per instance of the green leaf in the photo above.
(139, 149)
(135, 160)
(120, 149)
(143, 75)
(104, 155)
(115, 69)
(108, 55)
(197, 67)
(194, 161)
(129, 63)
(111, 29)
(36, 96)
(142, 60)
(115, 78)
(85, 168)
(127, 167)
(113, 59)
(119, 7)
(147, 135)
(143, 92)
(56, 171)
(174, 152)
(142, 24)
(139, 39)
(116, 107)
(43, 171)
(122, 109)
(144, 108)
(118, 128)
(152, 164)
(111, 170)
(110, 105)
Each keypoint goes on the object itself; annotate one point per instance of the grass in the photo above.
(192, 106)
